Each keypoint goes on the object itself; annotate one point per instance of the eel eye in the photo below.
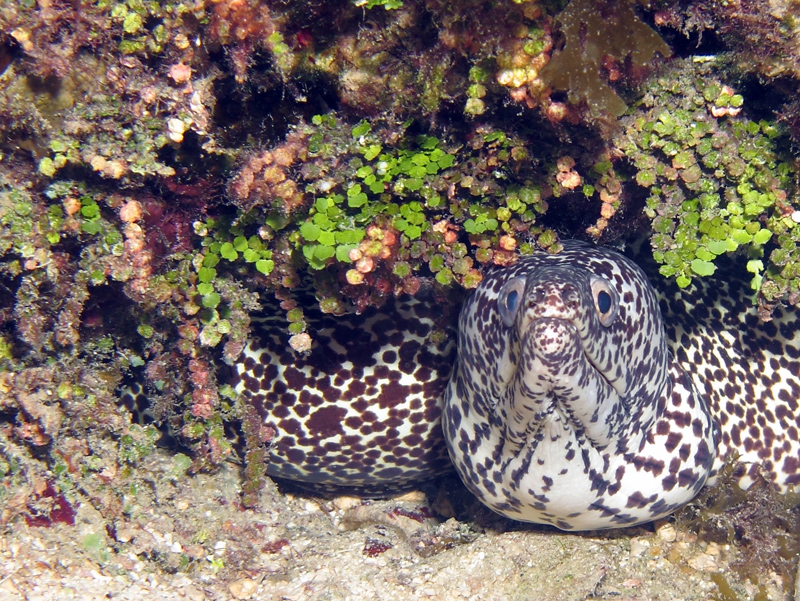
(510, 299)
(605, 301)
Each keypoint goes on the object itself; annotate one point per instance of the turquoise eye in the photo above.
(509, 300)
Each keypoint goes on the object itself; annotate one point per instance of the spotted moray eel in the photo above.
(574, 404)
(571, 402)
(361, 412)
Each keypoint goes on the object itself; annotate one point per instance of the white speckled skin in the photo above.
(575, 405)
(360, 412)
(571, 410)
(748, 370)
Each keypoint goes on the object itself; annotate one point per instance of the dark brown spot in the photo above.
(326, 421)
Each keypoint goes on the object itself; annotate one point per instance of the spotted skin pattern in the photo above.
(748, 369)
(571, 402)
(361, 412)
(566, 406)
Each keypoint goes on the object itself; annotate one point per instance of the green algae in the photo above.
(718, 181)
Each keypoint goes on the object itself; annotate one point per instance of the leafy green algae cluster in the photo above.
(717, 180)
(371, 209)
(338, 221)
(387, 4)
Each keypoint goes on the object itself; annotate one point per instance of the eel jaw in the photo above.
(557, 390)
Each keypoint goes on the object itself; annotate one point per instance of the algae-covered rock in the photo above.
(595, 30)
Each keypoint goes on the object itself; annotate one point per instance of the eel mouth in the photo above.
(558, 387)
